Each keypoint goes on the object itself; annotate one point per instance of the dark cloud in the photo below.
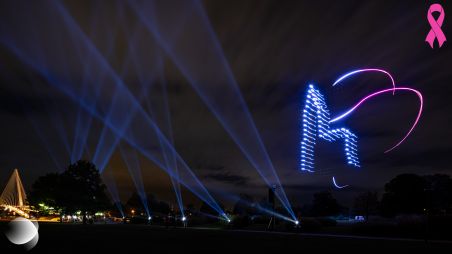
(228, 178)
(302, 188)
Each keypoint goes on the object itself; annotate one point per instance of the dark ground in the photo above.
(70, 238)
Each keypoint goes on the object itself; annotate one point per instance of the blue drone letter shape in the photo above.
(316, 123)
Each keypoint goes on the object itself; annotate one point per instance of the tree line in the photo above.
(80, 188)
(404, 194)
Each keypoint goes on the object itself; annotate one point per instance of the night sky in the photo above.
(273, 49)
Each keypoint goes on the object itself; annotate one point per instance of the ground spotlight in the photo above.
(225, 217)
(184, 218)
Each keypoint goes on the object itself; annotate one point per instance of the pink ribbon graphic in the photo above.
(436, 31)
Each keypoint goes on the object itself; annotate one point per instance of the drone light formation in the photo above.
(337, 185)
(316, 124)
(421, 105)
(316, 120)
(349, 74)
(394, 89)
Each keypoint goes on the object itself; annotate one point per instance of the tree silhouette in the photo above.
(405, 194)
(366, 204)
(81, 189)
(438, 193)
(324, 204)
(46, 190)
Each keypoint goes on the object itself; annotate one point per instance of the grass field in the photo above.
(120, 238)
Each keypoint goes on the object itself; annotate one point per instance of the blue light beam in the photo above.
(110, 183)
(133, 166)
(199, 57)
(98, 108)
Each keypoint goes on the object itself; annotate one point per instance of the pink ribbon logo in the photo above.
(436, 31)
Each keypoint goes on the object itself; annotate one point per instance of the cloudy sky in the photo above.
(270, 50)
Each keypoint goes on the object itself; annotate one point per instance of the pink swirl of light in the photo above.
(381, 92)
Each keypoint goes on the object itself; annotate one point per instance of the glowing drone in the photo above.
(316, 123)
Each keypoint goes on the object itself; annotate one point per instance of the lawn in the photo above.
(77, 238)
